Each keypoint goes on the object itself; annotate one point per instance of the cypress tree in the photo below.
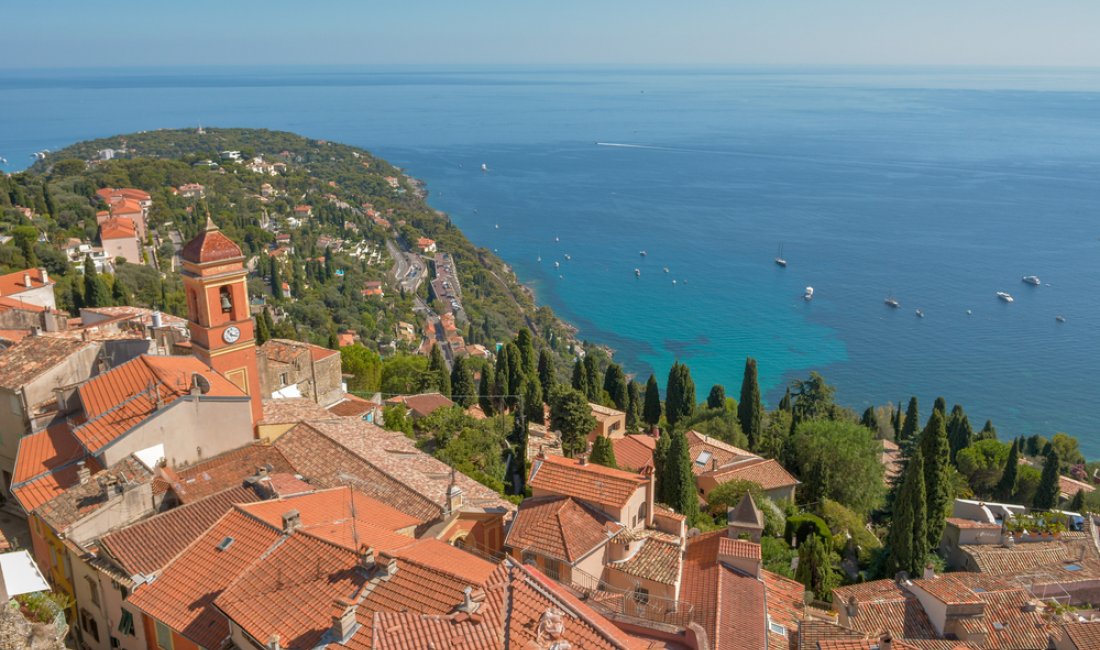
(592, 379)
(679, 394)
(516, 374)
(120, 294)
(526, 345)
(263, 333)
(546, 371)
(749, 409)
(940, 405)
(532, 400)
(1078, 503)
(1006, 486)
(959, 432)
(814, 569)
(438, 367)
(519, 438)
(633, 406)
(1046, 496)
(651, 410)
(912, 421)
(716, 398)
(660, 463)
(870, 419)
(95, 291)
(463, 390)
(603, 453)
(680, 480)
(485, 390)
(936, 454)
(908, 538)
(786, 404)
(580, 379)
(276, 281)
(988, 432)
(614, 382)
(896, 421)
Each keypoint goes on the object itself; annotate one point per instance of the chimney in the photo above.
(366, 557)
(44, 275)
(582, 459)
(454, 498)
(343, 621)
(929, 571)
(26, 279)
(83, 472)
(292, 521)
(886, 642)
(469, 605)
(390, 567)
(158, 321)
(273, 643)
(714, 464)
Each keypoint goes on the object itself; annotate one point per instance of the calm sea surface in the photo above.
(937, 186)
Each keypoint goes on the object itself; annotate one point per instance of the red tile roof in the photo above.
(560, 528)
(885, 606)
(210, 246)
(738, 548)
(12, 283)
(634, 451)
(123, 397)
(588, 482)
(659, 559)
(729, 605)
(33, 356)
(46, 465)
(352, 406)
(118, 228)
(767, 472)
(423, 404)
(148, 546)
(115, 194)
(1082, 635)
(224, 471)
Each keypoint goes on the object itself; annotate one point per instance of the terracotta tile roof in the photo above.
(634, 451)
(667, 512)
(183, 593)
(948, 590)
(767, 472)
(658, 559)
(717, 450)
(8, 303)
(126, 206)
(738, 548)
(82, 499)
(423, 404)
(730, 606)
(291, 409)
(588, 482)
(12, 336)
(287, 350)
(966, 524)
(115, 194)
(1008, 625)
(221, 472)
(284, 484)
(352, 406)
(560, 527)
(601, 412)
(12, 283)
(786, 604)
(812, 631)
(210, 246)
(117, 228)
(33, 356)
(290, 591)
(1068, 487)
(1082, 635)
(148, 546)
(1038, 562)
(46, 465)
(884, 606)
(123, 397)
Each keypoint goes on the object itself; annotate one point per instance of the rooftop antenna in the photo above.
(354, 527)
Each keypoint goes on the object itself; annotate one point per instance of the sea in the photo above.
(935, 186)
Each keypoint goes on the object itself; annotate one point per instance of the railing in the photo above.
(610, 599)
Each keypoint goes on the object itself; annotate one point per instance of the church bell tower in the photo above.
(222, 330)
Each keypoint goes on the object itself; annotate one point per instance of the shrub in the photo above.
(800, 526)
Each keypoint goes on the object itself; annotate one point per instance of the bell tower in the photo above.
(222, 330)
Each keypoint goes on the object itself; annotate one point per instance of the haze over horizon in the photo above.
(479, 32)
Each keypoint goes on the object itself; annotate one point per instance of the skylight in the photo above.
(225, 543)
(703, 459)
(997, 625)
(1073, 567)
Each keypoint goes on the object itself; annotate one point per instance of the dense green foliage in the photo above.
(603, 453)
(749, 407)
(908, 538)
(571, 415)
(838, 460)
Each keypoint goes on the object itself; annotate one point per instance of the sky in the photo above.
(77, 33)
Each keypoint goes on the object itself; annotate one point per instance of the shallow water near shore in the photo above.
(939, 187)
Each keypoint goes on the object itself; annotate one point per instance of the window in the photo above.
(89, 624)
(776, 628)
(527, 557)
(641, 595)
(164, 636)
(115, 643)
(553, 569)
(93, 588)
(126, 623)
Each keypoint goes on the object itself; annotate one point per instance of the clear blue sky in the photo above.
(77, 33)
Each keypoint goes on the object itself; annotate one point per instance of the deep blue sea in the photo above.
(939, 187)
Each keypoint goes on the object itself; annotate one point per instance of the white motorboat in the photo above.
(809, 295)
(1005, 296)
(1032, 279)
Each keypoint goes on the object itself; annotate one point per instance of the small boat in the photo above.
(674, 282)
(892, 302)
(642, 253)
(484, 167)
(968, 312)
(779, 259)
(567, 256)
(666, 269)
(1005, 296)
(557, 265)
(1060, 318)
(540, 258)
(920, 314)
(809, 295)
(637, 273)
(1032, 279)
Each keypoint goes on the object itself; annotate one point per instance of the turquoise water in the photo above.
(939, 187)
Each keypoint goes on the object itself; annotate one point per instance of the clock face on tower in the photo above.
(231, 334)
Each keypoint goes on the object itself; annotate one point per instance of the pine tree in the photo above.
(592, 379)
(95, 291)
(614, 382)
(912, 421)
(580, 379)
(526, 346)
(786, 404)
(1078, 503)
(716, 398)
(660, 464)
(485, 390)
(680, 480)
(959, 433)
(908, 537)
(263, 334)
(936, 454)
(870, 419)
(679, 394)
(463, 389)
(1006, 487)
(438, 367)
(633, 406)
(603, 453)
(1046, 496)
(749, 409)
(651, 410)
(546, 372)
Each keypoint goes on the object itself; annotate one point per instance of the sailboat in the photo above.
(779, 259)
